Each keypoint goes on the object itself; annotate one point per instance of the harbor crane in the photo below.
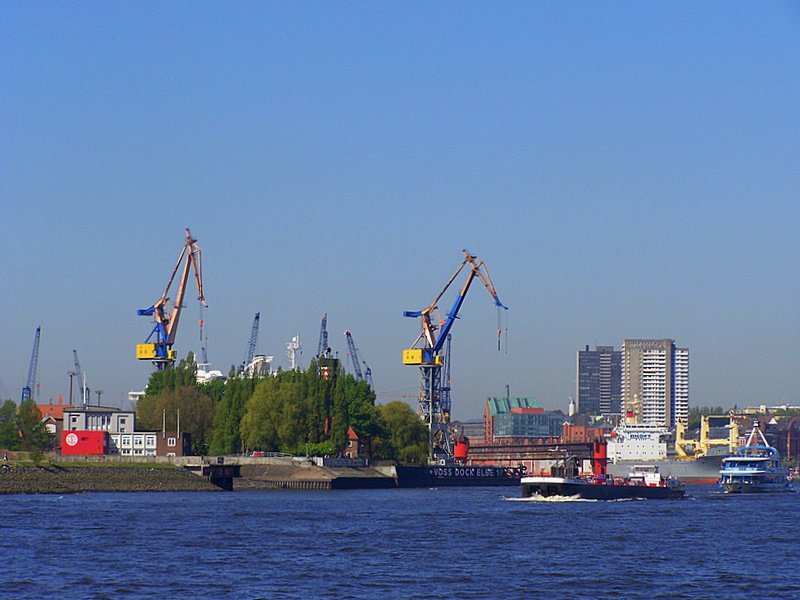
(251, 345)
(427, 353)
(354, 355)
(366, 374)
(322, 347)
(78, 372)
(160, 351)
(32, 366)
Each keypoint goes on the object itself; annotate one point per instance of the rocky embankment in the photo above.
(68, 479)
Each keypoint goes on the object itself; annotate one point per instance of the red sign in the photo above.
(84, 442)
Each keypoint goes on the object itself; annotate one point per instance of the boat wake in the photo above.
(536, 498)
(560, 499)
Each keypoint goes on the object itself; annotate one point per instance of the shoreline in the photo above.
(60, 478)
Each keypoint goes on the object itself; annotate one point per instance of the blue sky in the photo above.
(625, 170)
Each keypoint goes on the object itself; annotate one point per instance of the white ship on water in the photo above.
(632, 444)
(756, 467)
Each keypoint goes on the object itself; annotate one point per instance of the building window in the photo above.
(171, 442)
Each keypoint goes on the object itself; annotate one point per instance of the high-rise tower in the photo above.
(655, 382)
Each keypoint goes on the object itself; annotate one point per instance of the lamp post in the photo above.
(71, 376)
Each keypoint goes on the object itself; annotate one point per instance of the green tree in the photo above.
(9, 431)
(407, 439)
(196, 413)
(35, 437)
(171, 377)
(298, 412)
(226, 437)
(259, 425)
(215, 389)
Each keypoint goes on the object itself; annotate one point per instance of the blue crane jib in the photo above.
(32, 367)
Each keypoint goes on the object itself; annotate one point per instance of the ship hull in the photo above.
(687, 470)
(456, 476)
(551, 487)
(739, 487)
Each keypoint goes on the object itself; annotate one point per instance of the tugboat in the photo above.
(644, 482)
(756, 467)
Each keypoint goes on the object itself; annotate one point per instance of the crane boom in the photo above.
(322, 347)
(354, 356)
(32, 366)
(166, 320)
(432, 344)
(81, 378)
(251, 345)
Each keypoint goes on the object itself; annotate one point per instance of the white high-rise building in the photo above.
(655, 382)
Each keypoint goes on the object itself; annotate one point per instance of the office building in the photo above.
(599, 381)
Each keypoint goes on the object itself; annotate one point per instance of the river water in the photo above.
(408, 543)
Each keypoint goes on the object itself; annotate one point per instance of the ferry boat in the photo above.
(756, 467)
(643, 482)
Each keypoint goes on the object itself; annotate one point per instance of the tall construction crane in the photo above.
(426, 352)
(160, 352)
(354, 356)
(32, 366)
(251, 345)
(81, 379)
(322, 347)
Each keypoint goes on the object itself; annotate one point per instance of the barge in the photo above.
(644, 482)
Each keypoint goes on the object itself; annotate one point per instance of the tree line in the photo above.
(294, 412)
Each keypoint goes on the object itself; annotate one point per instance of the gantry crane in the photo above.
(426, 352)
(166, 319)
(32, 366)
(251, 345)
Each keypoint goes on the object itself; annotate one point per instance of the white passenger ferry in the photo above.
(756, 467)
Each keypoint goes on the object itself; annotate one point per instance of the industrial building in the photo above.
(107, 430)
(515, 419)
